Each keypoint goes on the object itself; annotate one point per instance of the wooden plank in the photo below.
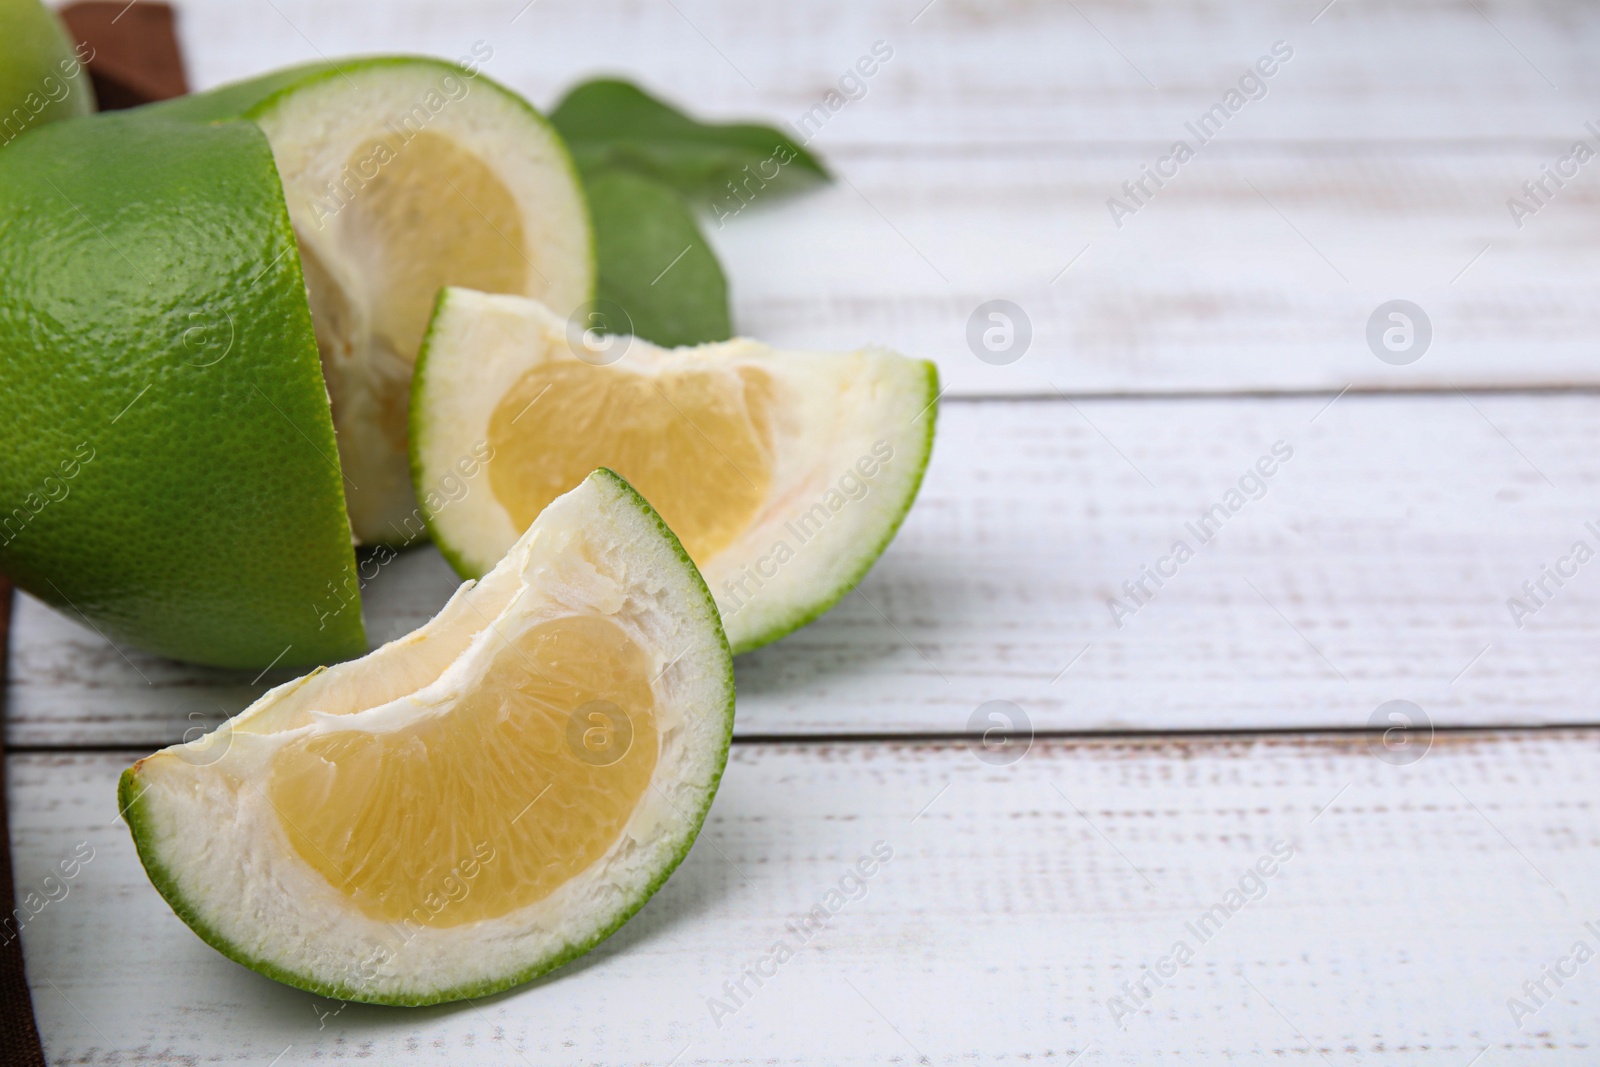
(1255, 268)
(1376, 566)
(1414, 902)
(985, 156)
(983, 74)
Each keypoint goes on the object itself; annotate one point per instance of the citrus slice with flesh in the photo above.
(476, 803)
(784, 473)
(404, 175)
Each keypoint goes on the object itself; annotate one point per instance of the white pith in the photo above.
(831, 411)
(208, 822)
(313, 131)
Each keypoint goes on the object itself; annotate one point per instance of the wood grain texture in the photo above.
(1415, 901)
(981, 73)
(982, 158)
(1256, 268)
(1377, 565)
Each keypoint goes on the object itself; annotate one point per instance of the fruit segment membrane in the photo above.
(492, 803)
(695, 442)
(429, 214)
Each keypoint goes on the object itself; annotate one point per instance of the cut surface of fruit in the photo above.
(697, 438)
(475, 803)
(785, 474)
(403, 176)
(379, 815)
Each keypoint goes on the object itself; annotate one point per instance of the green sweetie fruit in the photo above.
(402, 176)
(170, 471)
(196, 295)
(476, 803)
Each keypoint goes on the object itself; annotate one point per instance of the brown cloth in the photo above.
(135, 57)
(19, 1037)
(135, 61)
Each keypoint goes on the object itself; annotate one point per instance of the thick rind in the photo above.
(414, 426)
(258, 97)
(384, 512)
(160, 371)
(821, 605)
(134, 809)
(915, 381)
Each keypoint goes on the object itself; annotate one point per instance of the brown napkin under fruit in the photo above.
(135, 56)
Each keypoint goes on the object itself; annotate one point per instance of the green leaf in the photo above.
(655, 262)
(614, 125)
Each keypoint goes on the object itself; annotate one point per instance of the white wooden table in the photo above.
(1410, 898)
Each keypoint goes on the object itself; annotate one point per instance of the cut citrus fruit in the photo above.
(173, 474)
(785, 474)
(403, 175)
(476, 803)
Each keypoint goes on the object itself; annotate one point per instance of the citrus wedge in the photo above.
(785, 474)
(476, 803)
(403, 175)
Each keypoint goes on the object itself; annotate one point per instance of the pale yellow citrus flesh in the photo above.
(434, 215)
(422, 214)
(696, 443)
(491, 805)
